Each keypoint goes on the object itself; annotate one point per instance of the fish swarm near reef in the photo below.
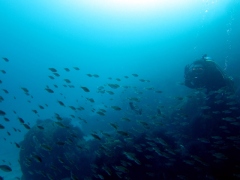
(193, 137)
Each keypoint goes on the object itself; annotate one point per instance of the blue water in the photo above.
(156, 43)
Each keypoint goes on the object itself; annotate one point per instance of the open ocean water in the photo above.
(94, 90)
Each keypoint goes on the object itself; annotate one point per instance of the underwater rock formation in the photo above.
(55, 150)
(199, 141)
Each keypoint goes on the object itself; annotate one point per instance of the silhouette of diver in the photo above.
(205, 73)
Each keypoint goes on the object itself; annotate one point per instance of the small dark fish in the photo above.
(1, 126)
(67, 80)
(150, 88)
(21, 120)
(96, 136)
(35, 111)
(41, 107)
(5, 59)
(124, 133)
(100, 113)
(73, 108)
(110, 92)
(66, 69)
(114, 86)
(89, 75)
(114, 125)
(61, 103)
(40, 127)
(56, 74)
(116, 108)
(60, 124)
(126, 119)
(17, 145)
(81, 108)
(96, 76)
(143, 123)
(2, 113)
(6, 119)
(102, 110)
(3, 71)
(6, 91)
(46, 147)
(60, 160)
(26, 126)
(1, 99)
(76, 68)
(25, 89)
(85, 89)
(58, 117)
(179, 98)
(52, 69)
(135, 75)
(51, 77)
(0, 82)
(5, 168)
(37, 158)
(135, 108)
(91, 100)
(49, 90)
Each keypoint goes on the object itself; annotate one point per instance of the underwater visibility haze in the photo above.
(95, 89)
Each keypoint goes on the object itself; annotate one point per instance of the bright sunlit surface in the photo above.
(128, 12)
(113, 24)
(140, 7)
(135, 6)
(123, 15)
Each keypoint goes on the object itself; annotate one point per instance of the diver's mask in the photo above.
(197, 69)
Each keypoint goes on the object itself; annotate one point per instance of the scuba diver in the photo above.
(211, 113)
(205, 73)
